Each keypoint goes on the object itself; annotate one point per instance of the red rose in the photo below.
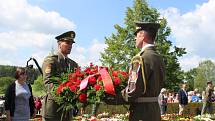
(72, 88)
(115, 73)
(72, 77)
(91, 64)
(60, 88)
(93, 71)
(83, 97)
(96, 67)
(87, 70)
(97, 87)
(100, 78)
(124, 74)
(79, 74)
(78, 82)
(117, 81)
(68, 83)
(92, 80)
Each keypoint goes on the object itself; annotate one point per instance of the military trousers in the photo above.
(207, 106)
(147, 111)
(50, 110)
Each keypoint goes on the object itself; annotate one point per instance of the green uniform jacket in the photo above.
(208, 94)
(54, 65)
(154, 76)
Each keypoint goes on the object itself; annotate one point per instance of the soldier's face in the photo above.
(65, 47)
(210, 85)
(139, 39)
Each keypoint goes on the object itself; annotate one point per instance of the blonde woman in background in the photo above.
(162, 101)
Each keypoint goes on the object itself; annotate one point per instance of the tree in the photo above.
(7, 71)
(39, 87)
(204, 72)
(4, 83)
(190, 77)
(121, 45)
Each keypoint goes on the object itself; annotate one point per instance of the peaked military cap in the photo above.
(209, 82)
(147, 26)
(67, 36)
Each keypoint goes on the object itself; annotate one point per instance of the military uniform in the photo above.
(145, 82)
(207, 101)
(55, 65)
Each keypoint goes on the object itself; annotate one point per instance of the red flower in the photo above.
(83, 97)
(124, 74)
(97, 87)
(60, 88)
(100, 78)
(87, 70)
(79, 74)
(115, 73)
(72, 77)
(68, 83)
(117, 81)
(91, 64)
(78, 82)
(93, 71)
(72, 88)
(92, 80)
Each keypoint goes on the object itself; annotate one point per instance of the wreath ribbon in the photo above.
(107, 82)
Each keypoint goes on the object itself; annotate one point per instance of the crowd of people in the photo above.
(183, 97)
(193, 96)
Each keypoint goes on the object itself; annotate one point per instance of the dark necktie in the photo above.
(67, 63)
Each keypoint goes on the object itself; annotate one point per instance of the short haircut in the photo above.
(19, 71)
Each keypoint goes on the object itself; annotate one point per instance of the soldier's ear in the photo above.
(59, 42)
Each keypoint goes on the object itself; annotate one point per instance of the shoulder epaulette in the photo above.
(51, 57)
(138, 60)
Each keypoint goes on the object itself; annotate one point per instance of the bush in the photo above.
(4, 83)
(191, 109)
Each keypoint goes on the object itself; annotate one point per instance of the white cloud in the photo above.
(194, 30)
(96, 49)
(27, 31)
(90, 54)
(16, 40)
(19, 15)
(190, 61)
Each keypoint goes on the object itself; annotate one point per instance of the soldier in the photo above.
(146, 76)
(54, 65)
(207, 101)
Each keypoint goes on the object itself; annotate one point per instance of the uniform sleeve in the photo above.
(138, 92)
(207, 93)
(48, 70)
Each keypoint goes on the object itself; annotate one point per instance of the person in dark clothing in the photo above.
(19, 102)
(146, 76)
(182, 98)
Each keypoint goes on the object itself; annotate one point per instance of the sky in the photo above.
(28, 28)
